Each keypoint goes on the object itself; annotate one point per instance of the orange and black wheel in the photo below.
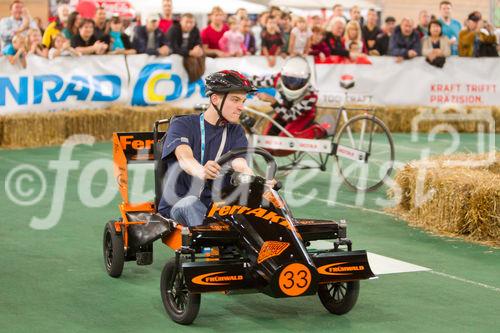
(113, 250)
(339, 297)
(181, 305)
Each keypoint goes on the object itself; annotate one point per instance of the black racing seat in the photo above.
(156, 227)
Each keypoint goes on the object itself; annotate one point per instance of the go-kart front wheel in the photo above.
(113, 251)
(181, 305)
(339, 297)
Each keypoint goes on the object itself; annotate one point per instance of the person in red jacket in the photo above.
(295, 106)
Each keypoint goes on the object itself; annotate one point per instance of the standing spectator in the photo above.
(370, 31)
(338, 11)
(257, 30)
(451, 27)
(333, 38)
(355, 14)
(241, 14)
(72, 26)
(423, 23)
(85, 41)
(184, 39)
(487, 41)
(468, 38)
(319, 48)
(61, 47)
(19, 21)
(248, 37)
(58, 25)
(35, 45)
(405, 43)
(101, 23)
(211, 35)
(119, 42)
(435, 47)
(352, 35)
(300, 38)
(272, 41)
(149, 39)
(16, 50)
(382, 44)
(232, 41)
(286, 29)
(275, 11)
(166, 21)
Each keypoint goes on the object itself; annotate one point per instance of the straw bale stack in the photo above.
(465, 201)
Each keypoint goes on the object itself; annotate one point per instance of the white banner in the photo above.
(462, 82)
(62, 83)
(98, 81)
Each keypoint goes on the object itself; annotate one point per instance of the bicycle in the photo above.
(363, 146)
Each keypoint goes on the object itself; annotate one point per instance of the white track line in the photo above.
(477, 284)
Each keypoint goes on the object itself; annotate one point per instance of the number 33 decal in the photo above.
(295, 279)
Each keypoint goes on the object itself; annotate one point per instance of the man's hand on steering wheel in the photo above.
(211, 170)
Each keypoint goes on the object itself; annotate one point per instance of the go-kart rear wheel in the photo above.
(181, 305)
(340, 297)
(113, 251)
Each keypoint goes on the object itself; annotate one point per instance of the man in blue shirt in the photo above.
(195, 142)
(450, 27)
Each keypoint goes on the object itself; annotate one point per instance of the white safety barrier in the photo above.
(99, 81)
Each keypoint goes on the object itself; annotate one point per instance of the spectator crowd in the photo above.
(273, 33)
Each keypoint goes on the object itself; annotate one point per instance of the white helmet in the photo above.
(295, 76)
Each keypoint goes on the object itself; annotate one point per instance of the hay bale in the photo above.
(465, 202)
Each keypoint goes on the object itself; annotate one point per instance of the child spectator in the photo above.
(85, 41)
(241, 14)
(272, 41)
(248, 37)
(35, 45)
(211, 35)
(300, 38)
(286, 27)
(119, 43)
(61, 48)
(257, 30)
(16, 51)
(319, 49)
(436, 47)
(58, 25)
(232, 40)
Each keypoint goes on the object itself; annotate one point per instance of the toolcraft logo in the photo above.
(258, 212)
(337, 269)
(271, 249)
(214, 279)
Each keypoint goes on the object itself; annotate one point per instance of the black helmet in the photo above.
(227, 81)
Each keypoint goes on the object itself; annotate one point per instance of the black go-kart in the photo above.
(254, 242)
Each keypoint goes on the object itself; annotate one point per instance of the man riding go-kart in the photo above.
(257, 244)
(195, 142)
(295, 108)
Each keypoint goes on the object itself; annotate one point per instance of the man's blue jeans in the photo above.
(189, 211)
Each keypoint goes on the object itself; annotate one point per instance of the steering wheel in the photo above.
(271, 163)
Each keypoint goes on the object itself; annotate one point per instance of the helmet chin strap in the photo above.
(221, 121)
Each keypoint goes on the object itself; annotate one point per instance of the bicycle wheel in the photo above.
(365, 153)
